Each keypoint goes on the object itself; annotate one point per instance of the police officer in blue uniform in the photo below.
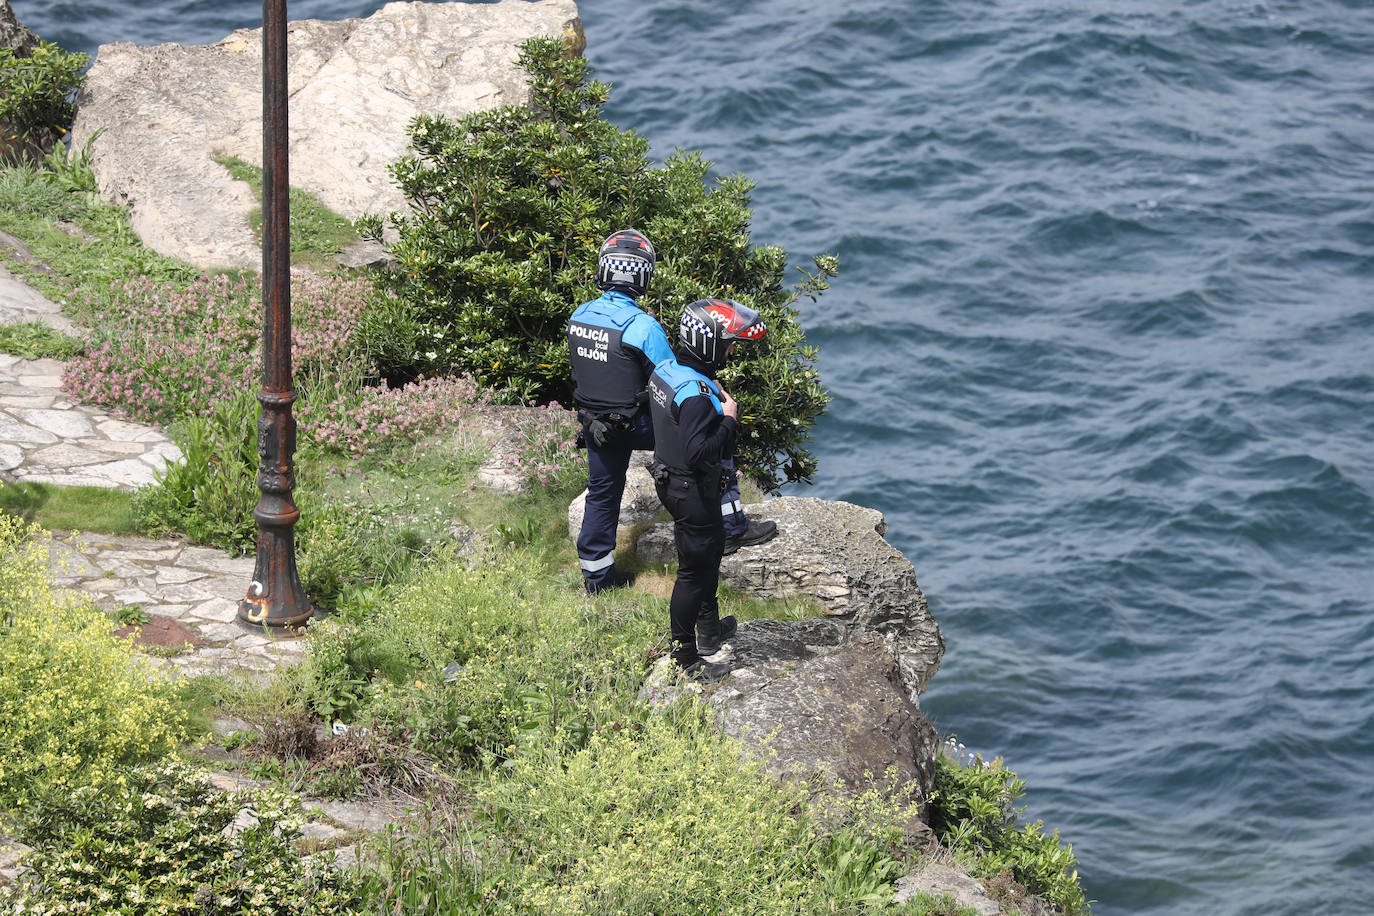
(614, 346)
(696, 427)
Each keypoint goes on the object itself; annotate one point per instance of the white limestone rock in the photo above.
(157, 117)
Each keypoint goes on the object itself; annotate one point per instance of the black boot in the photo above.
(756, 533)
(709, 638)
(702, 670)
(689, 660)
(616, 579)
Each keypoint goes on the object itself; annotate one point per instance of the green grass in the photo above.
(317, 233)
(35, 340)
(93, 246)
(56, 508)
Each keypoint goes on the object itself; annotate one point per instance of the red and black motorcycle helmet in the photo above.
(709, 326)
(625, 262)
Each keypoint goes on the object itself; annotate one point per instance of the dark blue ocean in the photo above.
(1101, 351)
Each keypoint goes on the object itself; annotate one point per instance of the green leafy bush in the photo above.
(36, 94)
(972, 810)
(160, 841)
(210, 495)
(468, 661)
(666, 816)
(75, 702)
(508, 209)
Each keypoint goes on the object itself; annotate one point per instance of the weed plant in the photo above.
(75, 702)
(29, 192)
(163, 841)
(973, 811)
(210, 494)
(546, 453)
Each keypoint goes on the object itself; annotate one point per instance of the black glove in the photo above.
(659, 472)
(599, 432)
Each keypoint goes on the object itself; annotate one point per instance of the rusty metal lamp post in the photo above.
(275, 598)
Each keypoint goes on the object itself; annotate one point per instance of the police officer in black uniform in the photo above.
(696, 426)
(613, 345)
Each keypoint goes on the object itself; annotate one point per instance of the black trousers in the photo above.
(699, 533)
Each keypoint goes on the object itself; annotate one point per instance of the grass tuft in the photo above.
(95, 509)
(35, 340)
(318, 234)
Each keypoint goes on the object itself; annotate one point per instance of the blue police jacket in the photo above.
(613, 345)
(691, 432)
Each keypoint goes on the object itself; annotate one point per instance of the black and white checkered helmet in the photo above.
(625, 262)
(709, 326)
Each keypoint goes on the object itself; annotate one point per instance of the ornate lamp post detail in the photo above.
(275, 597)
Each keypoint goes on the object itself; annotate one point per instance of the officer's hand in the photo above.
(728, 405)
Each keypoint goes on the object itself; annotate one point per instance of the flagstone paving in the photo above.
(46, 437)
(196, 586)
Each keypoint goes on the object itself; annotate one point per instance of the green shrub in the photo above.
(210, 495)
(160, 841)
(36, 95)
(509, 207)
(972, 810)
(469, 662)
(668, 817)
(75, 702)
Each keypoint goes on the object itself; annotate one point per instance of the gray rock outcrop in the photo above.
(942, 880)
(161, 115)
(831, 701)
(14, 35)
(836, 718)
(834, 553)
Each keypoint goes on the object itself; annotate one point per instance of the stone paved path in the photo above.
(45, 437)
(196, 586)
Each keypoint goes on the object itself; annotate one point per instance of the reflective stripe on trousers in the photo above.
(597, 565)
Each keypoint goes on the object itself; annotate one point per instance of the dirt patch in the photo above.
(163, 633)
(658, 584)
